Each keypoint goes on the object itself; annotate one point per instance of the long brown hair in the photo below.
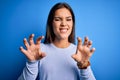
(50, 36)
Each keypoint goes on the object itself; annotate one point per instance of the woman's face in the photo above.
(62, 23)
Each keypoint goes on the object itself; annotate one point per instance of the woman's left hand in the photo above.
(84, 51)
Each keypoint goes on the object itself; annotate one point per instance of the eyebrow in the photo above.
(60, 17)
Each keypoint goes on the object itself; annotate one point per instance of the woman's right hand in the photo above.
(33, 51)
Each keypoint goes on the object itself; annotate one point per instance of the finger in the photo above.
(24, 52)
(92, 50)
(42, 54)
(79, 41)
(79, 44)
(39, 40)
(85, 41)
(89, 44)
(74, 56)
(26, 43)
(31, 39)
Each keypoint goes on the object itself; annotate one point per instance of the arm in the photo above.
(86, 74)
(33, 53)
(82, 56)
(30, 71)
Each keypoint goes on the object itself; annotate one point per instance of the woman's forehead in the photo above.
(62, 12)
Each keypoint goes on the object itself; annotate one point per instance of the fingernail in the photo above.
(32, 34)
(94, 49)
(25, 39)
(20, 47)
(42, 36)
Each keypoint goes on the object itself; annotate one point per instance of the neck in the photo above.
(61, 43)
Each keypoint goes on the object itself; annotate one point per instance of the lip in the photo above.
(63, 30)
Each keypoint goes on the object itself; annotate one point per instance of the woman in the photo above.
(58, 58)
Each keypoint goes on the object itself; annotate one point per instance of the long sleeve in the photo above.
(30, 71)
(87, 74)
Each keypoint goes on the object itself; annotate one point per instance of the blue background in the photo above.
(98, 19)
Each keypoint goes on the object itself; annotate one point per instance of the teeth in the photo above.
(63, 30)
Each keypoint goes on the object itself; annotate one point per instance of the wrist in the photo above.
(83, 64)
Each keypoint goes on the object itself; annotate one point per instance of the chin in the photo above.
(63, 37)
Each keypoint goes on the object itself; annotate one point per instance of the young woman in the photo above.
(58, 58)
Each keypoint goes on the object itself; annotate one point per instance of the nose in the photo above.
(63, 23)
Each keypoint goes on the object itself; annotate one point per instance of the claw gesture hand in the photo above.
(32, 50)
(83, 53)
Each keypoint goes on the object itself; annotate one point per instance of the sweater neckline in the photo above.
(67, 48)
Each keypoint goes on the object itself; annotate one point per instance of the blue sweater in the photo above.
(57, 65)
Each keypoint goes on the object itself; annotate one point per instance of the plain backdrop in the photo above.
(97, 19)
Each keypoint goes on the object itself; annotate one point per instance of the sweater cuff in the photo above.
(84, 72)
(32, 63)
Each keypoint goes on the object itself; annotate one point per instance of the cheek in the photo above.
(70, 24)
(55, 30)
(71, 27)
(55, 27)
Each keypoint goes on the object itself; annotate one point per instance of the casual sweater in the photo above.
(57, 65)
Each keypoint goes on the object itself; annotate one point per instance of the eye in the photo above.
(69, 19)
(57, 19)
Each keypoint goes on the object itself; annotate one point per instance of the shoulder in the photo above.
(44, 46)
(73, 46)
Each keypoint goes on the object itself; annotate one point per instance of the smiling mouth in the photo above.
(63, 30)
